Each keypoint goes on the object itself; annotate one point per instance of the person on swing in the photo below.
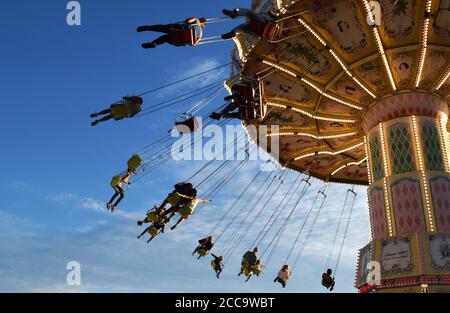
(186, 210)
(205, 245)
(116, 183)
(283, 276)
(129, 106)
(155, 229)
(217, 264)
(328, 280)
(231, 110)
(267, 18)
(167, 29)
(249, 259)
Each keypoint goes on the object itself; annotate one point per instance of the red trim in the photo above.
(408, 281)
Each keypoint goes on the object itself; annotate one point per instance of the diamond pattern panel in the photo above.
(408, 208)
(378, 215)
(401, 152)
(377, 165)
(440, 192)
(419, 104)
(432, 148)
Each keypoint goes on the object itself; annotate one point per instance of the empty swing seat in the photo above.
(134, 162)
(263, 29)
(186, 123)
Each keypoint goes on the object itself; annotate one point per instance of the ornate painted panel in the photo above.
(334, 17)
(408, 208)
(440, 192)
(376, 156)
(364, 258)
(439, 246)
(378, 213)
(442, 22)
(398, 18)
(400, 149)
(396, 256)
(432, 149)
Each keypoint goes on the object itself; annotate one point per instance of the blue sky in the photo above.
(57, 167)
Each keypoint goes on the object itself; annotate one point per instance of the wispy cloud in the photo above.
(188, 68)
(25, 186)
(94, 205)
(114, 260)
(13, 225)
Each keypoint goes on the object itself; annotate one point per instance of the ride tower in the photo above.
(362, 97)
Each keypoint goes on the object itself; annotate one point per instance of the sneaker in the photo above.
(173, 227)
(108, 206)
(139, 223)
(215, 116)
(94, 123)
(93, 115)
(142, 29)
(228, 35)
(112, 208)
(148, 45)
(229, 13)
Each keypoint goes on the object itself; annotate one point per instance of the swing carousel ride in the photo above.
(360, 92)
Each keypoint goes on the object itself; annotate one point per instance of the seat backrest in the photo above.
(183, 37)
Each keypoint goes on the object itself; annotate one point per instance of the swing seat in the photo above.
(327, 284)
(186, 121)
(246, 91)
(263, 29)
(173, 199)
(151, 216)
(119, 111)
(183, 37)
(249, 112)
(282, 281)
(202, 252)
(245, 268)
(115, 182)
(257, 271)
(153, 232)
(185, 211)
(134, 162)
